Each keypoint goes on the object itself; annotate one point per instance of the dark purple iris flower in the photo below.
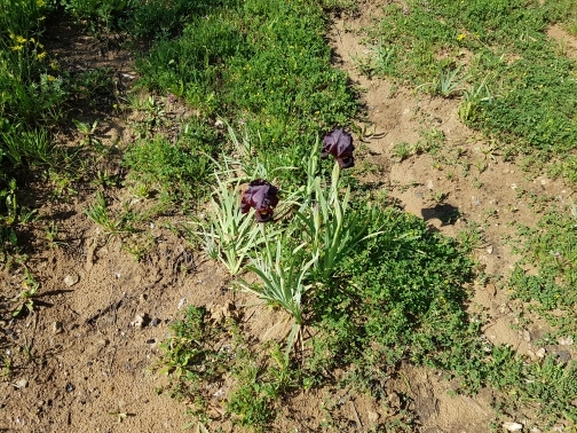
(339, 143)
(262, 196)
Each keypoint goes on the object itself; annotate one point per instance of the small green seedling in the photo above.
(25, 299)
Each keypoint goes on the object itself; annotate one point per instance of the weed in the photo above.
(25, 300)
(6, 366)
(139, 246)
(98, 213)
(402, 150)
(99, 17)
(481, 166)
(51, 231)
(447, 84)
(509, 88)
(431, 140)
(200, 351)
(380, 60)
(440, 196)
(224, 60)
(120, 416)
(87, 131)
(551, 247)
(179, 172)
(26, 149)
(95, 88)
(471, 237)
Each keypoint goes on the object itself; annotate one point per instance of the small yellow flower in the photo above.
(41, 55)
(54, 65)
(17, 47)
(461, 36)
(21, 40)
(51, 78)
(40, 3)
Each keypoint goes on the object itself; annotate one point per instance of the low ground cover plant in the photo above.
(264, 65)
(551, 246)
(495, 56)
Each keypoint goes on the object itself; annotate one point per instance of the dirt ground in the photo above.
(84, 358)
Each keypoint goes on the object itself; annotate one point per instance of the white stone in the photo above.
(512, 426)
(71, 280)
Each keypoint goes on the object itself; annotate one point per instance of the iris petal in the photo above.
(339, 144)
(261, 196)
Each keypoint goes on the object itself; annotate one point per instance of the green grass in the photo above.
(513, 81)
(177, 171)
(262, 64)
(552, 248)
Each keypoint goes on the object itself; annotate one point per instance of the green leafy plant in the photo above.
(473, 99)
(222, 62)
(231, 235)
(178, 172)
(330, 230)
(527, 76)
(87, 130)
(27, 148)
(25, 300)
(284, 276)
(447, 84)
(98, 213)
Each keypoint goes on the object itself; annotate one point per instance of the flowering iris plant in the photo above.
(339, 144)
(262, 196)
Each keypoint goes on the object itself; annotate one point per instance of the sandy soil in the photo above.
(83, 359)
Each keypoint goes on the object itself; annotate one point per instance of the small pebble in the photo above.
(138, 321)
(21, 383)
(372, 416)
(57, 327)
(71, 280)
(512, 426)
